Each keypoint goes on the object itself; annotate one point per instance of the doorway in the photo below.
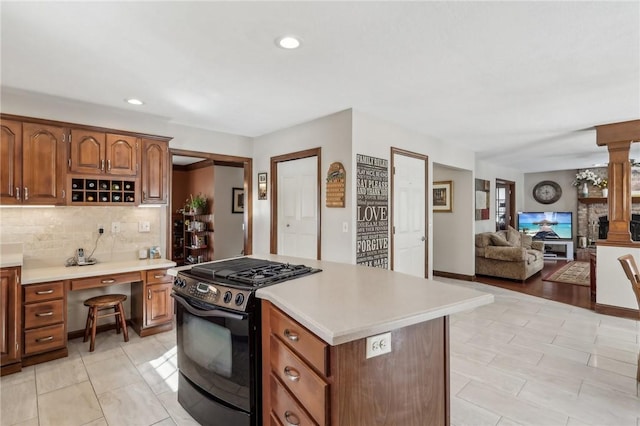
(505, 204)
(295, 204)
(409, 239)
(215, 176)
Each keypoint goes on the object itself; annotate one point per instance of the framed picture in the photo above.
(443, 196)
(237, 201)
(262, 186)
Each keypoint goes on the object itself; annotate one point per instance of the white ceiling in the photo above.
(521, 83)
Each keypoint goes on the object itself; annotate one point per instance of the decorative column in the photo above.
(618, 138)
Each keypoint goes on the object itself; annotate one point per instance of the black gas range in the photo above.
(219, 337)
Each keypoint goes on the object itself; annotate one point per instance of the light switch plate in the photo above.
(144, 226)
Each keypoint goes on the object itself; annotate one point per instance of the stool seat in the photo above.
(99, 304)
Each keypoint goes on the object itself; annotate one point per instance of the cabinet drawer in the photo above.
(44, 339)
(46, 291)
(284, 407)
(309, 388)
(43, 313)
(302, 341)
(105, 280)
(156, 276)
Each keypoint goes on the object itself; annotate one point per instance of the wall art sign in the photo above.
(482, 199)
(336, 183)
(262, 186)
(443, 196)
(372, 185)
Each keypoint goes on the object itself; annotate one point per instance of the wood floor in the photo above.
(575, 295)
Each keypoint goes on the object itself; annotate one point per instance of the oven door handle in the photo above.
(200, 313)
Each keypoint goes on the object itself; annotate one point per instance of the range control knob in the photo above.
(227, 297)
(179, 282)
(239, 299)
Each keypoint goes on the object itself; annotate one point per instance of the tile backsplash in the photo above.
(51, 235)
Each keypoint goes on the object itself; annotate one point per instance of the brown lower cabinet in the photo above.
(309, 382)
(44, 312)
(10, 320)
(151, 303)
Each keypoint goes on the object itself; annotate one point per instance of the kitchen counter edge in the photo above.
(55, 273)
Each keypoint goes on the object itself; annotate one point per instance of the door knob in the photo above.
(423, 239)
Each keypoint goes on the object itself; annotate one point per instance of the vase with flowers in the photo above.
(585, 177)
(604, 187)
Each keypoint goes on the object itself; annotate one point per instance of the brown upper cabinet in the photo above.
(32, 163)
(103, 153)
(155, 169)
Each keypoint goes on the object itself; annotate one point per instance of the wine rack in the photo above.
(103, 191)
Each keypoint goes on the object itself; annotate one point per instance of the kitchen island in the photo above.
(318, 333)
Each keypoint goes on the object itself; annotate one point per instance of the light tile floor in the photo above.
(519, 361)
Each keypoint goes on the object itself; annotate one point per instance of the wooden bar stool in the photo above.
(102, 303)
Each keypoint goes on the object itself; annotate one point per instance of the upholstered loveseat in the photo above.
(508, 254)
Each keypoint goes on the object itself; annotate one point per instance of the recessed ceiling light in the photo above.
(289, 42)
(134, 101)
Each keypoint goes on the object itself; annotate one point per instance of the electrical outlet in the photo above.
(378, 345)
(100, 229)
(115, 227)
(144, 226)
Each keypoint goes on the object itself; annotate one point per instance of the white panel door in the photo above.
(297, 208)
(409, 247)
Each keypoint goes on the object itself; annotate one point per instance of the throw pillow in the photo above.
(526, 241)
(513, 237)
(498, 240)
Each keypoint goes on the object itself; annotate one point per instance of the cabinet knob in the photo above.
(17, 193)
(292, 374)
(291, 418)
(291, 335)
(26, 193)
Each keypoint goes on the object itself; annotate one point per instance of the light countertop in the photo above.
(347, 302)
(54, 273)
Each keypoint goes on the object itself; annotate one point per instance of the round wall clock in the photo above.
(547, 192)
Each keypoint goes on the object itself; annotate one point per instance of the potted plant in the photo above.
(604, 187)
(583, 178)
(197, 204)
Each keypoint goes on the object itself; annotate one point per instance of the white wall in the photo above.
(228, 235)
(491, 172)
(453, 237)
(333, 134)
(613, 287)
(127, 118)
(374, 136)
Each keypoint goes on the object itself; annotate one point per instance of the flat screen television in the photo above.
(546, 225)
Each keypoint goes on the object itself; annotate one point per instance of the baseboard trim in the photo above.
(617, 311)
(454, 276)
(80, 333)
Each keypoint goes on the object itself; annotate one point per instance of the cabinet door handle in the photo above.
(44, 292)
(108, 165)
(158, 276)
(44, 314)
(149, 294)
(291, 418)
(64, 194)
(44, 339)
(108, 281)
(26, 193)
(291, 335)
(102, 165)
(292, 374)
(18, 193)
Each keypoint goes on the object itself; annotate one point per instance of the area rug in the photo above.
(572, 273)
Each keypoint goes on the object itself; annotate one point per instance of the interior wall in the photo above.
(229, 234)
(374, 136)
(453, 238)
(491, 172)
(333, 134)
